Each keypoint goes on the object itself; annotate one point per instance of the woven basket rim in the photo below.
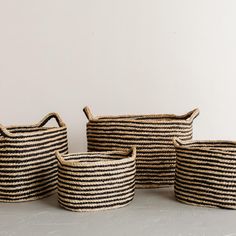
(145, 119)
(178, 143)
(131, 151)
(5, 130)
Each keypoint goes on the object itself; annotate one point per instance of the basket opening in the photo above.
(93, 157)
(213, 145)
(152, 117)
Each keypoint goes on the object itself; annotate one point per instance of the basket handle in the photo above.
(133, 150)
(193, 114)
(5, 132)
(48, 117)
(88, 113)
(59, 157)
(177, 142)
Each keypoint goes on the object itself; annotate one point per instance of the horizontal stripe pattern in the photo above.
(96, 180)
(206, 173)
(151, 134)
(28, 167)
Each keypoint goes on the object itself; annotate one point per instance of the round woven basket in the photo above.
(97, 180)
(28, 167)
(151, 134)
(206, 173)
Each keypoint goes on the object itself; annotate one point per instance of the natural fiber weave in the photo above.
(206, 173)
(28, 167)
(152, 134)
(96, 181)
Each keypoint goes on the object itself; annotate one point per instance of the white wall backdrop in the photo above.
(126, 56)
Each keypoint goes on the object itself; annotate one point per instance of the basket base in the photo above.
(29, 199)
(97, 209)
(206, 205)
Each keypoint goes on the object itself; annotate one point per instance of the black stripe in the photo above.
(33, 154)
(38, 183)
(33, 139)
(123, 137)
(21, 165)
(108, 205)
(132, 123)
(206, 191)
(193, 152)
(93, 180)
(141, 150)
(95, 174)
(120, 181)
(109, 146)
(28, 195)
(38, 134)
(211, 166)
(205, 175)
(127, 183)
(124, 133)
(79, 197)
(203, 198)
(206, 159)
(205, 184)
(2, 152)
(47, 142)
(139, 130)
(31, 176)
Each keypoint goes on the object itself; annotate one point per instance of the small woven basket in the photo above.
(206, 173)
(96, 181)
(152, 134)
(28, 167)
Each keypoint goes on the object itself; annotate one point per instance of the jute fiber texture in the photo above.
(28, 167)
(206, 173)
(151, 134)
(96, 180)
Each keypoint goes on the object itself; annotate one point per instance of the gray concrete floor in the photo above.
(153, 212)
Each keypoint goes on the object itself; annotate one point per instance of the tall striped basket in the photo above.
(206, 173)
(96, 180)
(28, 167)
(152, 134)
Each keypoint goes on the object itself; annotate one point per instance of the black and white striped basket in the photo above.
(152, 134)
(28, 167)
(96, 180)
(206, 173)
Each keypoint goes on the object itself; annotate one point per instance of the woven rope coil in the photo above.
(28, 167)
(96, 180)
(151, 134)
(206, 173)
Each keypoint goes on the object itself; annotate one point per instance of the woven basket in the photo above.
(152, 134)
(28, 167)
(206, 173)
(96, 180)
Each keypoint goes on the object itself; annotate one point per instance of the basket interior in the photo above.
(152, 117)
(93, 157)
(226, 146)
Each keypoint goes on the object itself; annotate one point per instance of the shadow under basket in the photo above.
(28, 167)
(151, 134)
(96, 180)
(206, 173)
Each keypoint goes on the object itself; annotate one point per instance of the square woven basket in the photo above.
(28, 167)
(96, 180)
(151, 134)
(206, 173)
